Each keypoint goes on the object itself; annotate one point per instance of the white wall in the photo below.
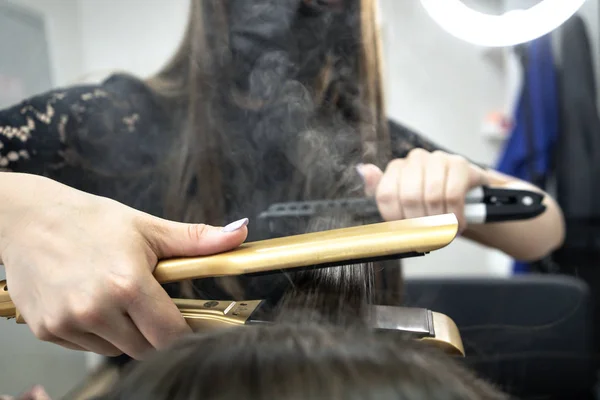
(137, 36)
(443, 88)
(64, 39)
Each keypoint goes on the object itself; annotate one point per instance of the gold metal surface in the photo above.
(203, 315)
(447, 336)
(7, 308)
(419, 235)
(207, 315)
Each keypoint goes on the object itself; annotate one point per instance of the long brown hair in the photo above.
(271, 101)
(201, 86)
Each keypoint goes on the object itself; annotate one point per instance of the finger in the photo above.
(156, 316)
(436, 173)
(477, 176)
(42, 333)
(411, 185)
(69, 330)
(90, 342)
(173, 239)
(387, 192)
(124, 335)
(69, 327)
(68, 345)
(457, 185)
(371, 175)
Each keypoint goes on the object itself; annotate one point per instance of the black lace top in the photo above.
(119, 120)
(116, 129)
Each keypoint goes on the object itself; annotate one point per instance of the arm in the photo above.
(33, 134)
(527, 240)
(82, 125)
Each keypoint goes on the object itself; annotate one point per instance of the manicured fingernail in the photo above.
(234, 226)
(359, 170)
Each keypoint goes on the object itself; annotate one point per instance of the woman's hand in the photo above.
(35, 393)
(423, 184)
(79, 267)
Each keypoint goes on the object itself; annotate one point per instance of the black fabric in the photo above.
(532, 334)
(578, 164)
(117, 129)
(578, 155)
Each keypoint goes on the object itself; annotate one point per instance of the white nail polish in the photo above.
(359, 170)
(234, 226)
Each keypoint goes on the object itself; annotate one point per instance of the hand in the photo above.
(79, 267)
(423, 184)
(35, 393)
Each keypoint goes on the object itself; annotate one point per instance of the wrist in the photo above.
(20, 195)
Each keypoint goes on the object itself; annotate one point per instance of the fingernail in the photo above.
(234, 226)
(359, 170)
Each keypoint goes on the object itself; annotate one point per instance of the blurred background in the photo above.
(448, 89)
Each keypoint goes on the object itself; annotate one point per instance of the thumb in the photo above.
(174, 239)
(371, 175)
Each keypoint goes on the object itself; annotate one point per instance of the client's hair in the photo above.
(299, 361)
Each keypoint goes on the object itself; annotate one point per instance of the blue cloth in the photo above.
(528, 151)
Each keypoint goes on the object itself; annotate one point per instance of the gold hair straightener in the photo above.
(418, 323)
(367, 243)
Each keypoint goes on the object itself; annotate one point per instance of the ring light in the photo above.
(509, 29)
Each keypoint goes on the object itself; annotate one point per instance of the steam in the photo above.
(291, 131)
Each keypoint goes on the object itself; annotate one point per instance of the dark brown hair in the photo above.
(248, 79)
(298, 361)
(270, 101)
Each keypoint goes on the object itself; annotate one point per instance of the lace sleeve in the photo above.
(35, 134)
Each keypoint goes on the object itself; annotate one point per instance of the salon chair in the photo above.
(530, 334)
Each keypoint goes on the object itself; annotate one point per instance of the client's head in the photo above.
(299, 361)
